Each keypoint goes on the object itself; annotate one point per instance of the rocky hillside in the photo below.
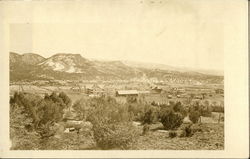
(70, 63)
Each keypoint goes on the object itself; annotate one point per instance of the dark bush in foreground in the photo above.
(172, 134)
(170, 119)
(187, 131)
(145, 129)
(151, 115)
(194, 116)
(178, 107)
(148, 117)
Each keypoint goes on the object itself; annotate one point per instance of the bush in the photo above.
(145, 129)
(65, 98)
(33, 118)
(170, 119)
(114, 136)
(21, 137)
(218, 109)
(197, 128)
(194, 116)
(112, 126)
(143, 112)
(131, 99)
(136, 111)
(43, 111)
(187, 131)
(150, 115)
(206, 111)
(172, 134)
(106, 110)
(82, 108)
(178, 107)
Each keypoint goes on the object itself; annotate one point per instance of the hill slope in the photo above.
(28, 58)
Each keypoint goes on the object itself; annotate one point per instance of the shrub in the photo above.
(172, 134)
(222, 118)
(150, 115)
(21, 137)
(82, 108)
(32, 120)
(142, 112)
(154, 103)
(43, 112)
(194, 116)
(111, 124)
(170, 119)
(178, 107)
(197, 128)
(106, 109)
(131, 99)
(65, 98)
(135, 111)
(114, 136)
(218, 109)
(145, 129)
(206, 111)
(187, 131)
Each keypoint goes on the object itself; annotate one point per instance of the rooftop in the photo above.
(123, 92)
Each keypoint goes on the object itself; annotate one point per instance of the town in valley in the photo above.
(72, 103)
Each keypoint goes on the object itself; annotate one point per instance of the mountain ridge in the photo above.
(74, 66)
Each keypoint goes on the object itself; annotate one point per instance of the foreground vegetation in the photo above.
(39, 123)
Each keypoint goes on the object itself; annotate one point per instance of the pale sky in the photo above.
(172, 32)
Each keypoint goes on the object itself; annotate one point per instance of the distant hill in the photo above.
(70, 63)
(22, 66)
(74, 67)
(171, 68)
(28, 58)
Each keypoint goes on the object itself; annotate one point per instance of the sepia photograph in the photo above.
(122, 75)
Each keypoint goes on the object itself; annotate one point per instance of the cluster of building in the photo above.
(154, 90)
